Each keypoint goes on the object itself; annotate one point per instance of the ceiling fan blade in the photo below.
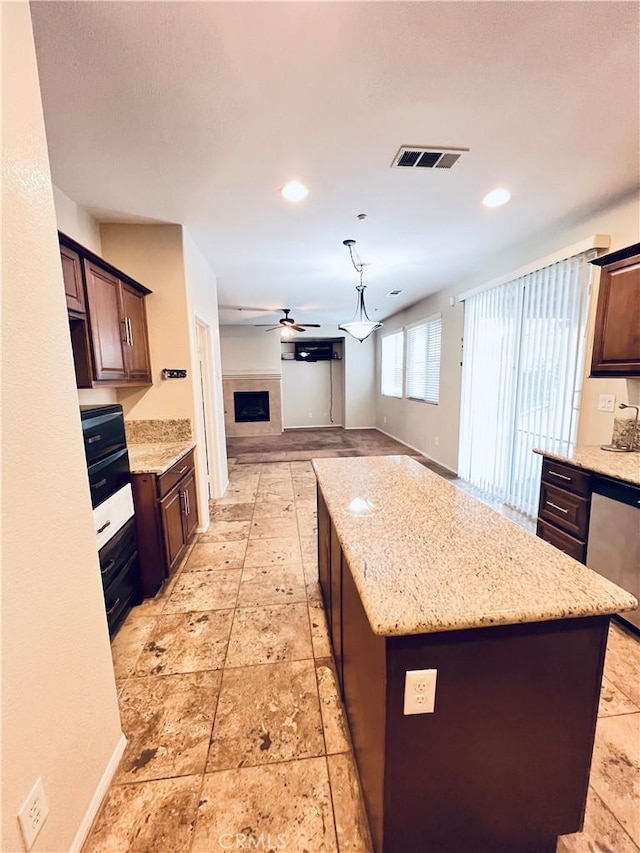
(298, 328)
(273, 328)
(311, 325)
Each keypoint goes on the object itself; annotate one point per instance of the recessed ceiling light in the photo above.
(294, 191)
(496, 197)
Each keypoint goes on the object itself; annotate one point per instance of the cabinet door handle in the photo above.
(104, 527)
(93, 439)
(559, 508)
(561, 476)
(182, 470)
(99, 484)
(130, 331)
(126, 330)
(186, 494)
(111, 609)
(107, 567)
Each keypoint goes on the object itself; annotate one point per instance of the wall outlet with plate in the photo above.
(606, 403)
(420, 691)
(33, 814)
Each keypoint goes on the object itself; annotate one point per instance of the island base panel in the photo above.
(503, 763)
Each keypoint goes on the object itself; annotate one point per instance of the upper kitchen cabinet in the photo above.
(109, 335)
(616, 343)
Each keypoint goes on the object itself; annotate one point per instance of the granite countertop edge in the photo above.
(384, 617)
(157, 457)
(619, 466)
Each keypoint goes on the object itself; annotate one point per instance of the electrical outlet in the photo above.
(33, 814)
(606, 403)
(437, 441)
(420, 691)
(384, 420)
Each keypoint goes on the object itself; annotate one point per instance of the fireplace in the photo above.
(251, 406)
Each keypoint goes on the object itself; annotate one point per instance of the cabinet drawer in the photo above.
(122, 593)
(169, 479)
(566, 477)
(108, 476)
(565, 510)
(111, 515)
(117, 552)
(562, 541)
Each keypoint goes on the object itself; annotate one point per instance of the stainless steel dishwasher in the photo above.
(613, 547)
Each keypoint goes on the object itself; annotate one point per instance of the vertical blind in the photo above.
(423, 359)
(392, 364)
(521, 378)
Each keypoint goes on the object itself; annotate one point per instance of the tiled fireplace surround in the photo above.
(270, 382)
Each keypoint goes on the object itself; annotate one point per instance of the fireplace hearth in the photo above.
(251, 406)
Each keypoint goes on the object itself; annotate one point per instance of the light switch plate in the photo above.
(420, 691)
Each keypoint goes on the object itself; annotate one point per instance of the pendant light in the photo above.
(361, 326)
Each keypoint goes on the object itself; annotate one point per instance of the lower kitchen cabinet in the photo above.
(166, 520)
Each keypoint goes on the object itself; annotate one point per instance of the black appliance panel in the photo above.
(313, 351)
(117, 552)
(103, 431)
(108, 475)
(122, 593)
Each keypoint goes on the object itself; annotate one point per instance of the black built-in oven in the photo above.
(109, 475)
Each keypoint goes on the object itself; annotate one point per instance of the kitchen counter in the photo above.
(620, 466)
(503, 638)
(427, 557)
(158, 457)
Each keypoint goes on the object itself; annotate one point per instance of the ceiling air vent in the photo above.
(414, 157)
(394, 293)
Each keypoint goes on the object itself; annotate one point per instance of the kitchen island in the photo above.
(417, 575)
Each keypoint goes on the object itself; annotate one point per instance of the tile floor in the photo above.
(236, 735)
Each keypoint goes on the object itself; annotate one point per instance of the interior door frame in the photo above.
(202, 333)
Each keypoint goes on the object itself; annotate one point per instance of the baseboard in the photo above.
(98, 796)
(417, 450)
(315, 426)
(362, 427)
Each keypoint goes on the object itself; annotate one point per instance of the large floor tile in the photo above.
(615, 771)
(128, 643)
(226, 531)
(352, 828)
(147, 816)
(269, 634)
(283, 807)
(319, 631)
(265, 714)
(271, 585)
(212, 590)
(231, 512)
(333, 720)
(280, 508)
(167, 720)
(622, 662)
(273, 552)
(186, 642)
(216, 555)
(602, 832)
(613, 701)
(274, 528)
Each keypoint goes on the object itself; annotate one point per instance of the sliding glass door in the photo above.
(521, 379)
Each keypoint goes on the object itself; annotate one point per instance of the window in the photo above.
(423, 360)
(521, 378)
(392, 363)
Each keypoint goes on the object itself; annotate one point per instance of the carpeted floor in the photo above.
(298, 445)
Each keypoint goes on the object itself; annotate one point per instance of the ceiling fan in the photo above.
(288, 322)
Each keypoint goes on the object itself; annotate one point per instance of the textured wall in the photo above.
(59, 707)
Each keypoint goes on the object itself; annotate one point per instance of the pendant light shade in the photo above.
(362, 325)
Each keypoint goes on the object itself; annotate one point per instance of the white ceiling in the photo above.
(199, 112)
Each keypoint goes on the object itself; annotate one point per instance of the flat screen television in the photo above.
(316, 351)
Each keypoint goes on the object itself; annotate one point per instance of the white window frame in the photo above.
(398, 333)
(433, 400)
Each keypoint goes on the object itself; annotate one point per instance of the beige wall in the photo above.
(202, 296)
(434, 429)
(75, 222)
(59, 707)
(247, 349)
(152, 254)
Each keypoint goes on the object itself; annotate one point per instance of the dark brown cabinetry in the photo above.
(563, 512)
(166, 520)
(107, 319)
(616, 342)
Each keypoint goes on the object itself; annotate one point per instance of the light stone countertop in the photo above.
(157, 457)
(427, 557)
(620, 466)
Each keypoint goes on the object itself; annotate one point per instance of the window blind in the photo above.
(424, 341)
(392, 364)
(521, 378)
